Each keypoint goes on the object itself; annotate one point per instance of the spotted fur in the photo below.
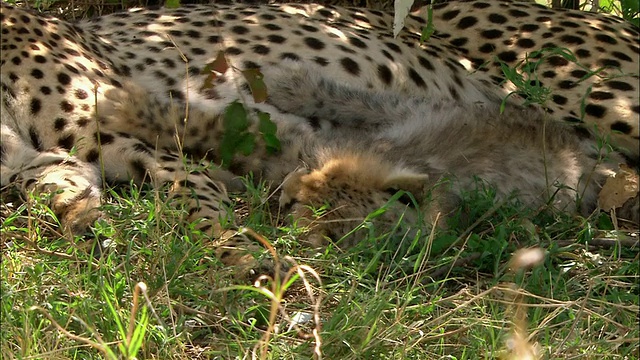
(356, 47)
(599, 87)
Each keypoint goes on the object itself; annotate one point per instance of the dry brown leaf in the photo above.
(256, 83)
(217, 67)
(618, 189)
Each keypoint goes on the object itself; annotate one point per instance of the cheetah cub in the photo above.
(379, 142)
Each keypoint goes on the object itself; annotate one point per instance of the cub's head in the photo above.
(337, 196)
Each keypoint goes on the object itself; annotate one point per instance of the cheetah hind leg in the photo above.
(203, 187)
(206, 200)
(73, 185)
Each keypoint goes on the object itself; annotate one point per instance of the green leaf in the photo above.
(268, 130)
(565, 53)
(246, 144)
(607, 5)
(429, 29)
(227, 150)
(272, 143)
(235, 119)
(172, 4)
(266, 126)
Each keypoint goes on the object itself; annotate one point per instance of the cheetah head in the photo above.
(344, 191)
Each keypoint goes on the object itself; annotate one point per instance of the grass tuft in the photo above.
(146, 284)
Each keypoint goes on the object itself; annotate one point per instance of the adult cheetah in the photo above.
(461, 60)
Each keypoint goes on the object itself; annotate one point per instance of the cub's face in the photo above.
(338, 196)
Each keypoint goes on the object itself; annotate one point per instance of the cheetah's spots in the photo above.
(350, 66)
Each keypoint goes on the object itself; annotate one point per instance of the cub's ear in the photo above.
(406, 180)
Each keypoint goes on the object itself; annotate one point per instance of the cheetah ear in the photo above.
(407, 180)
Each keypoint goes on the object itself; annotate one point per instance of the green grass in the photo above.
(407, 293)
(387, 298)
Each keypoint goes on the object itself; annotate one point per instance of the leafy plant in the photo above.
(239, 137)
(627, 9)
